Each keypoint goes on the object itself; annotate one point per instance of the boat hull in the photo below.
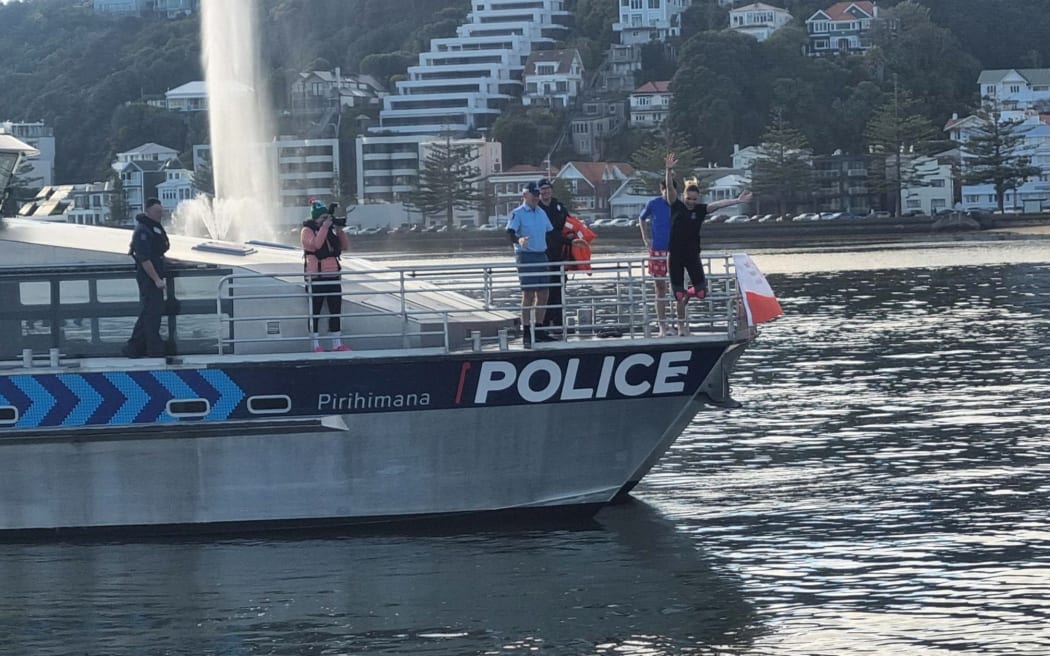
(356, 439)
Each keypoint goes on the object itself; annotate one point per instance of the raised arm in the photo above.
(669, 163)
(719, 204)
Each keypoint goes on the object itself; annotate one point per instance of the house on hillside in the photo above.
(596, 121)
(141, 169)
(1015, 88)
(553, 78)
(592, 184)
(169, 8)
(650, 104)
(314, 92)
(842, 28)
(758, 20)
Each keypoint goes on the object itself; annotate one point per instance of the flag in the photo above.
(759, 301)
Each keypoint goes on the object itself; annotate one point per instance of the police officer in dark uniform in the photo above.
(149, 243)
(558, 250)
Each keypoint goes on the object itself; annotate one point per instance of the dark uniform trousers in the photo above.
(145, 337)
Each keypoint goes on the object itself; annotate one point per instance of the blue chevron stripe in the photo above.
(176, 386)
(40, 401)
(89, 398)
(231, 394)
(112, 398)
(135, 395)
(65, 399)
(157, 397)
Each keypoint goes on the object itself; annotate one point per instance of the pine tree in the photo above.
(995, 153)
(782, 169)
(118, 204)
(448, 181)
(648, 159)
(895, 134)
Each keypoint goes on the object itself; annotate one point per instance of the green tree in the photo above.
(448, 181)
(994, 153)
(527, 134)
(895, 134)
(782, 171)
(648, 159)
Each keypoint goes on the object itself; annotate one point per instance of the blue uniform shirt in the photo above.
(659, 212)
(531, 223)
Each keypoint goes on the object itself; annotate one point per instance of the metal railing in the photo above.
(456, 306)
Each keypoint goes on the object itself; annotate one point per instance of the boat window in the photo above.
(188, 407)
(8, 415)
(269, 405)
(35, 293)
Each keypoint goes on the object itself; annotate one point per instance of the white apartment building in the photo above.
(758, 20)
(937, 189)
(306, 168)
(177, 187)
(642, 21)
(464, 82)
(388, 167)
(37, 170)
(460, 86)
(1016, 88)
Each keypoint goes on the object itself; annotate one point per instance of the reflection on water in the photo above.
(884, 490)
(626, 583)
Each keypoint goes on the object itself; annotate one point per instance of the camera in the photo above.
(339, 221)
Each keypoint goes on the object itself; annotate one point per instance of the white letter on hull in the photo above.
(494, 376)
(569, 392)
(667, 370)
(540, 395)
(636, 360)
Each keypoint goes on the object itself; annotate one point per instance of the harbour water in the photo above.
(884, 490)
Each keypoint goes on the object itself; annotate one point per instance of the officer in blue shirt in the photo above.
(149, 243)
(527, 228)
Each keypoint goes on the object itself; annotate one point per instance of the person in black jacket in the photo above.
(559, 249)
(149, 243)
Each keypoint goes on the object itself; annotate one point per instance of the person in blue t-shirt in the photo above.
(527, 228)
(655, 224)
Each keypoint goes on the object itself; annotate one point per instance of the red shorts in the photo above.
(658, 264)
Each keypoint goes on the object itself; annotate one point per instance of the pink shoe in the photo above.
(681, 296)
(318, 349)
(698, 293)
(342, 347)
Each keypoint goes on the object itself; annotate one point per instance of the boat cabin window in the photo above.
(8, 415)
(269, 405)
(188, 408)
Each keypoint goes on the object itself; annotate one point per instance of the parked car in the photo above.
(880, 214)
(601, 222)
(488, 227)
(738, 218)
(806, 216)
(718, 218)
(622, 222)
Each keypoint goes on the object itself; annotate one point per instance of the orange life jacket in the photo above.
(581, 254)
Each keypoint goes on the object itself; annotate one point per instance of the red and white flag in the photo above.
(759, 300)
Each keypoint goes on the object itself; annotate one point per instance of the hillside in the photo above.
(79, 71)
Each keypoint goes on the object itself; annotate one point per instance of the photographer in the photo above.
(323, 240)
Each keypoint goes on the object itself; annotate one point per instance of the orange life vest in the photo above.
(581, 253)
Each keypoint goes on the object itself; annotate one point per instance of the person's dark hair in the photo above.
(692, 188)
(150, 202)
(663, 185)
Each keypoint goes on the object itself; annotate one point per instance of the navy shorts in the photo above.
(533, 276)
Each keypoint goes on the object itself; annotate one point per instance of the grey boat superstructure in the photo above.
(437, 410)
